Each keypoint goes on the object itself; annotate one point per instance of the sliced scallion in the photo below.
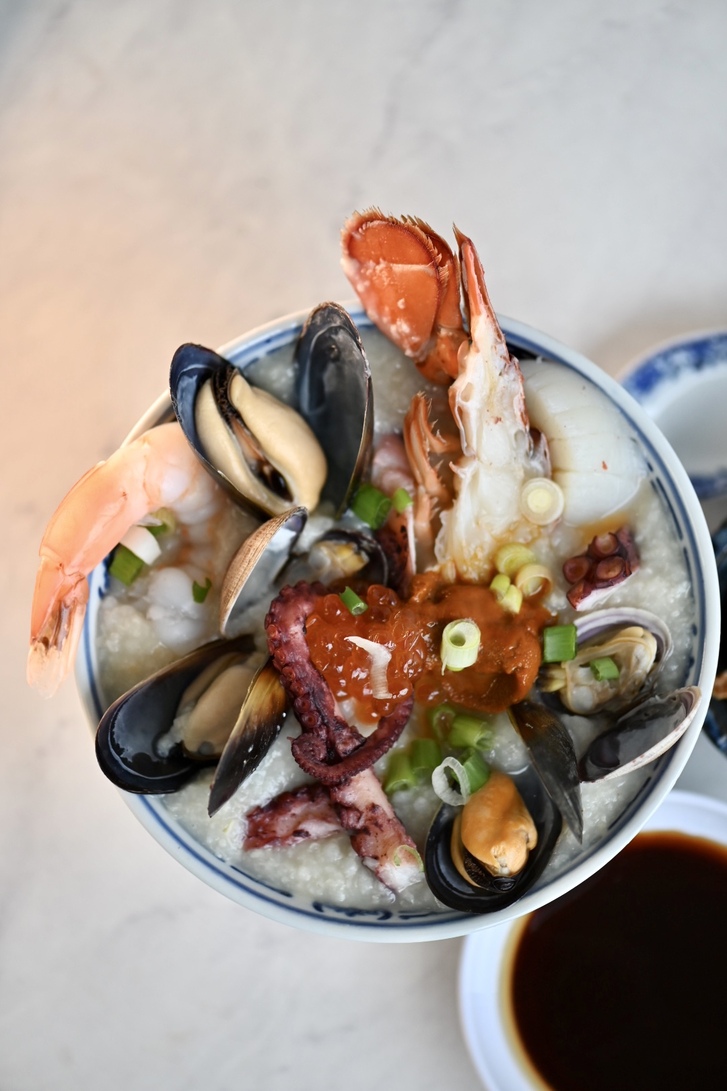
(532, 579)
(476, 769)
(512, 600)
(604, 668)
(353, 602)
(559, 643)
(541, 501)
(460, 644)
(500, 585)
(401, 500)
(125, 565)
(424, 755)
(441, 719)
(201, 590)
(451, 783)
(469, 732)
(511, 557)
(399, 773)
(371, 505)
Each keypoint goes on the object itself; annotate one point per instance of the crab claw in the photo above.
(407, 278)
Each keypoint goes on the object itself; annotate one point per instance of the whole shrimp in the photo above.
(156, 470)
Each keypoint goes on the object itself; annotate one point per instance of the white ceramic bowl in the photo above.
(388, 926)
(486, 963)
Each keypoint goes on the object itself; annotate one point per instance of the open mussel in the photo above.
(256, 728)
(640, 736)
(553, 756)
(335, 396)
(258, 447)
(156, 736)
(459, 865)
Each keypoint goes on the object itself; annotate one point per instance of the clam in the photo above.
(156, 736)
(335, 396)
(260, 448)
(471, 877)
(640, 736)
(637, 642)
(252, 572)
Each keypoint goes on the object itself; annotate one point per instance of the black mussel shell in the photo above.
(374, 566)
(258, 725)
(715, 724)
(553, 756)
(335, 397)
(192, 365)
(641, 735)
(498, 892)
(128, 733)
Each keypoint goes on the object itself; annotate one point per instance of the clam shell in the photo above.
(253, 570)
(641, 735)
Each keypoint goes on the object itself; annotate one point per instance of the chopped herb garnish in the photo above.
(460, 644)
(371, 505)
(125, 565)
(201, 590)
(604, 669)
(401, 500)
(559, 643)
(353, 602)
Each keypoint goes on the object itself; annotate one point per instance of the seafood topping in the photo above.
(636, 644)
(258, 447)
(641, 735)
(153, 738)
(486, 855)
(334, 385)
(553, 756)
(609, 560)
(407, 581)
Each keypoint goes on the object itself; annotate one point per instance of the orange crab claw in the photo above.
(407, 278)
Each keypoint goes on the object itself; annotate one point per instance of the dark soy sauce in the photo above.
(621, 985)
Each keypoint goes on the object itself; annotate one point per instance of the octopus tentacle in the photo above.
(329, 749)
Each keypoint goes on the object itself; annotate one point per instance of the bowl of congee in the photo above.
(395, 620)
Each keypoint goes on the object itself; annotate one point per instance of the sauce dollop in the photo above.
(506, 665)
(621, 983)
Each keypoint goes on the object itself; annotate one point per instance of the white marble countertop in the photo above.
(177, 171)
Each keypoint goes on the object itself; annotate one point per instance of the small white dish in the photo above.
(682, 385)
(486, 961)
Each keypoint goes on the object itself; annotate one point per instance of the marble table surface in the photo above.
(176, 171)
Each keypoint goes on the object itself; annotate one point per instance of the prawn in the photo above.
(156, 470)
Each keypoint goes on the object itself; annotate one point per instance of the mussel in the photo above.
(335, 396)
(258, 447)
(640, 736)
(270, 455)
(462, 880)
(553, 757)
(156, 736)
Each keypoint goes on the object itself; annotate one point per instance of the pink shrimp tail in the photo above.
(59, 607)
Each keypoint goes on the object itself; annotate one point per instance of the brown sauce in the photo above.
(506, 666)
(621, 985)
